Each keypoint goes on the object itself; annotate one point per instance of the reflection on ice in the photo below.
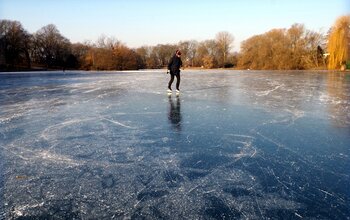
(175, 112)
(233, 144)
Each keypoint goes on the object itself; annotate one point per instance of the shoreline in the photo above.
(20, 70)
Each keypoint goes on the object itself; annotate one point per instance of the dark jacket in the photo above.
(174, 65)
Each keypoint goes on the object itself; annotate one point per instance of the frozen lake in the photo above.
(233, 144)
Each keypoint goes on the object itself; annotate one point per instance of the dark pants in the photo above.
(172, 80)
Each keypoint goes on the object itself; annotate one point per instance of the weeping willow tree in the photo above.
(338, 43)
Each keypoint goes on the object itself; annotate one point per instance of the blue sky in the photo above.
(150, 22)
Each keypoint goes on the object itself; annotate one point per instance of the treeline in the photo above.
(298, 48)
(292, 48)
(284, 49)
(47, 48)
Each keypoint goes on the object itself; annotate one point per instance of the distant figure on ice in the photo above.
(174, 67)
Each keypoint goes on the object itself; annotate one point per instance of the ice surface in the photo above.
(233, 144)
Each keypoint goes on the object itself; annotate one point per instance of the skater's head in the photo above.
(178, 53)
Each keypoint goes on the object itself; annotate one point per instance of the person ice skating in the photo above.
(174, 67)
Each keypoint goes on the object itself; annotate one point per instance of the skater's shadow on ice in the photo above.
(174, 115)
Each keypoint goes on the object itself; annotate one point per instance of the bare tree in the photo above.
(192, 51)
(80, 51)
(207, 51)
(51, 47)
(14, 43)
(161, 54)
(188, 49)
(313, 51)
(224, 40)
